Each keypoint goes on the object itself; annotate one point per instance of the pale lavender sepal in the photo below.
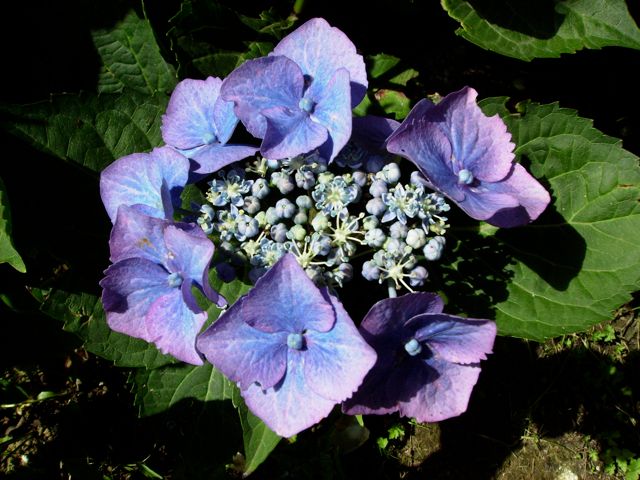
(444, 396)
(285, 300)
(150, 181)
(454, 339)
(260, 84)
(432, 382)
(333, 112)
(139, 302)
(290, 133)
(243, 353)
(337, 361)
(291, 406)
(213, 157)
(320, 49)
(469, 158)
(135, 234)
(532, 198)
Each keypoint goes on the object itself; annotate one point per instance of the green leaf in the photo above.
(83, 315)
(404, 77)
(131, 59)
(528, 30)
(159, 389)
(393, 102)
(8, 254)
(259, 440)
(381, 64)
(270, 23)
(90, 130)
(581, 259)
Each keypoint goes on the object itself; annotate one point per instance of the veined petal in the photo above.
(211, 158)
(454, 339)
(151, 181)
(481, 144)
(137, 235)
(484, 201)
(429, 148)
(320, 49)
(290, 406)
(243, 353)
(336, 362)
(260, 84)
(333, 111)
(531, 196)
(290, 133)
(444, 396)
(196, 117)
(285, 300)
(172, 326)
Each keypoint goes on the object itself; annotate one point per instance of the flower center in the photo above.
(465, 176)
(209, 138)
(413, 347)
(307, 105)
(174, 280)
(295, 341)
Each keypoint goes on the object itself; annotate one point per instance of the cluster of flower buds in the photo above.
(297, 205)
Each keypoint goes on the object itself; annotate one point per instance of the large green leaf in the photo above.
(131, 59)
(90, 130)
(581, 259)
(83, 315)
(8, 254)
(159, 389)
(259, 440)
(528, 30)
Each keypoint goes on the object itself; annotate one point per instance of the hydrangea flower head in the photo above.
(152, 182)
(199, 124)
(428, 362)
(291, 347)
(300, 97)
(147, 291)
(468, 157)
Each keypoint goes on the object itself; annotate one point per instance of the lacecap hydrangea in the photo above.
(319, 199)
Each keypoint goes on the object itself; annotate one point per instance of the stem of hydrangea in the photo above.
(392, 288)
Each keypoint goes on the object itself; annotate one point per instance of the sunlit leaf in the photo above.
(90, 130)
(131, 59)
(528, 30)
(581, 259)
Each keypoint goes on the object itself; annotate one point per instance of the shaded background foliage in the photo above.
(59, 227)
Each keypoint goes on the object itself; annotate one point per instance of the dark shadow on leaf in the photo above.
(550, 247)
(537, 19)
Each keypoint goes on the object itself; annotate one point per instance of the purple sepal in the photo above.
(469, 158)
(150, 181)
(428, 362)
(319, 50)
(198, 123)
(274, 103)
(147, 292)
(371, 132)
(292, 349)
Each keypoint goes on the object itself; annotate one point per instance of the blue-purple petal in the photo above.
(260, 84)
(190, 119)
(213, 157)
(320, 49)
(454, 339)
(290, 406)
(150, 181)
(284, 299)
(243, 353)
(336, 361)
(290, 133)
(333, 110)
(137, 235)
